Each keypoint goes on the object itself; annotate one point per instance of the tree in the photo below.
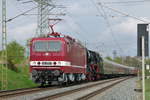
(118, 60)
(15, 54)
(109, 58)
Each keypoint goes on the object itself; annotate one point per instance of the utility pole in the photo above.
(115, 54)
(4, 50)
(143, 68)
(44, 8)
(43, 11)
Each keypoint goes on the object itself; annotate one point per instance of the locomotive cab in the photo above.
(56, 59)
(46, 58)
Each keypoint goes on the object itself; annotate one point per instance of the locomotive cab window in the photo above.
(51, 46)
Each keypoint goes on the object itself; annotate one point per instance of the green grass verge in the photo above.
(147, 86)
(19, 79)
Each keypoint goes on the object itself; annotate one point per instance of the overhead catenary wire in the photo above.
(25, 13)
(123, 13)
(109, 26)
(126, 2)
(98, 10)
(111, 30)
(21, 14)
(101, 13)
(76, 31)
(79, 25)
(103, 48)
(34, 14)
(16, 5)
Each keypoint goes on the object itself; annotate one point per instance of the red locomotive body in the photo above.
(57, 59)
(63, 59)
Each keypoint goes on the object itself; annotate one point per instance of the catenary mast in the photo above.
(44, 7)
(4, 50)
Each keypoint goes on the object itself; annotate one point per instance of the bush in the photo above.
(15, 55)
(12, 66)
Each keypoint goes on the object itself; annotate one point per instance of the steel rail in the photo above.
(97, 92)
(58, 95)
(20, 92)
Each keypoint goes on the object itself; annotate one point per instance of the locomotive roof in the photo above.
(59, 38)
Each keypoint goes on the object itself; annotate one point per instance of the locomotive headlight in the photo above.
(32, 63)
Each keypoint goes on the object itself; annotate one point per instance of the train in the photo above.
(63, 59)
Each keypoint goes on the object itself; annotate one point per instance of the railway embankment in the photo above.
(18, 80)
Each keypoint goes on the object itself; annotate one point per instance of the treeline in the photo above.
(128, 60)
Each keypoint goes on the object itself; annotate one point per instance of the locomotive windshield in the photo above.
(43, 46)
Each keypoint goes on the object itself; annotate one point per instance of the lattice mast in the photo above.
(4, 50)
(43, 15)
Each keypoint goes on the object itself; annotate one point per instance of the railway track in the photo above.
(19, 92)
(4, 95)
(85, 97)
(25, 91)
(97, 92)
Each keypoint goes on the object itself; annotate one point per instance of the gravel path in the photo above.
(122, 91)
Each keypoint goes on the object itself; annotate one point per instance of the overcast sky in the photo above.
(86, 20)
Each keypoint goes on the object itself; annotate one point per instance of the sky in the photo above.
(99, 28)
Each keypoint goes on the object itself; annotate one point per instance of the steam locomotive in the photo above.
(63, 59)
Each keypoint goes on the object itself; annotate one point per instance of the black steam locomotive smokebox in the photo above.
(142, 30)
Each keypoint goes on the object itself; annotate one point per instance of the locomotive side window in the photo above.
(43, 46)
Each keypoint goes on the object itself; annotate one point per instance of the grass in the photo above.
(147, 86)
(19, 79)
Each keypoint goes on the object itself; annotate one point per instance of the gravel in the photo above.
(81, 93)
(50, 92)
(122, 91)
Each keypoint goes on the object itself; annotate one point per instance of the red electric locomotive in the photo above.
(57, 58)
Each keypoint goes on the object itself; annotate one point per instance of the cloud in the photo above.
(71, 27)
(127, 27)
(81, 8)
(123, 35)
(22, 33)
